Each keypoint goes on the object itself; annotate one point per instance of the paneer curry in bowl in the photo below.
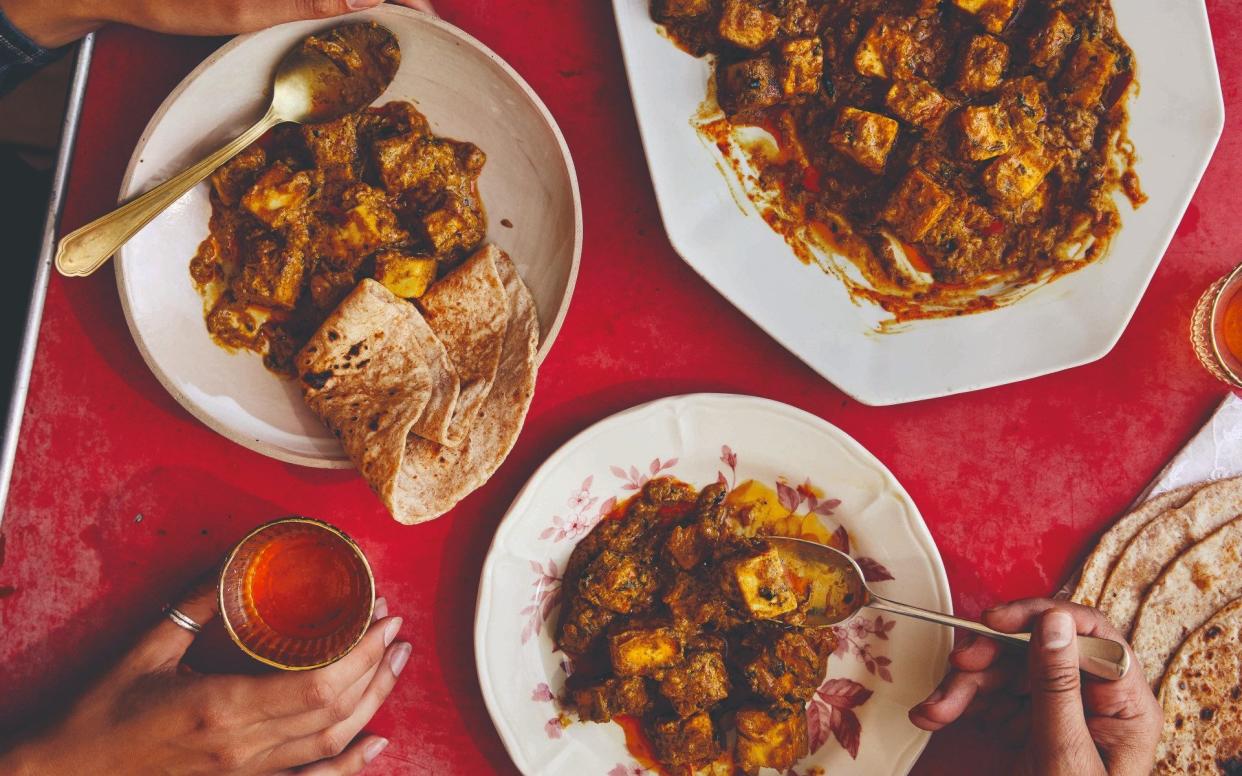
(952, 151)
(689, 633)
(306, 212)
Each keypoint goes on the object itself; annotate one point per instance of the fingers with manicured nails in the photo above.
(332, 741)
(353, 760)
(955, 695)
(1059, 734)
(285, 695)
(166, 643)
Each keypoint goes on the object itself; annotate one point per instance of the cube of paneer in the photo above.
(273, 272)
(644, 651)
(618, 582)
(1088, 73)
(1023, 101)
(278, 194)
(367, 225)
(746, 25)
(684, 741)
(405, 275)
(456, 225)
(334, 146)
(801, 66)
(986, 132)
(237, 174)
(983, 65)
(603, 701)
(917, 102)
(700, 683)
(916, 206)
(1015, 176)
(786, 668)
(580, 624)
(886, 51)
(992, 14)
(695, 604)
(667, 10)
(747, 86)
(1048, 45)
(758, 581)
(773, 737)
(864, 136)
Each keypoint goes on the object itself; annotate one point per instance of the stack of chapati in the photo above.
(427, 400)
(1169, 575)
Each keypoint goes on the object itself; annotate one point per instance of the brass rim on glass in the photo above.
(319, 524)
(1203, 327)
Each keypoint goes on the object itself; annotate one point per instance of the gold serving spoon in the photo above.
(325, 76)
(838, 591)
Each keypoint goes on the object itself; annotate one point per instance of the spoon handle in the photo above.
(1105, 658)
(85, 250)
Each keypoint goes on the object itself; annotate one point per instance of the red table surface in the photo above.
(1014, 482)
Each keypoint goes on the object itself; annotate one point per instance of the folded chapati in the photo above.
(1189, 591)
(1100, 562)
(468, 310)
(1202, 699)
(386, 381)
(373, 372)
(432, 478)
(1160, 541)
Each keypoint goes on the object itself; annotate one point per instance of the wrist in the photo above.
(51, 25)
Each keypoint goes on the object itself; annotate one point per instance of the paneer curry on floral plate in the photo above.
(625, 615)
(392, 200)
(900, 190)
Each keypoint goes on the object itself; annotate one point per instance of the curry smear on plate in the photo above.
(954, 152)
(306, 212)
(684, 626)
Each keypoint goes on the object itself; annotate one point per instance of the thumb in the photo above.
(1058, 725)
(165, 644)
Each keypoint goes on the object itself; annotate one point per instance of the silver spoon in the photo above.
(838, 591)
(325, 76)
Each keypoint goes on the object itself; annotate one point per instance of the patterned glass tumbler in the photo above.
(1216, 328)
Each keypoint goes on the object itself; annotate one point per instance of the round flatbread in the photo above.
(366, 374)
(432, 478)
(1102, 559)
(468, 310)
(1193, 587)
(1202, 699)
(1160, 541)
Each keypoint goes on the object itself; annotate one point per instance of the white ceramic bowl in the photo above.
(466, 91)
(1176, 119)
(882, 668)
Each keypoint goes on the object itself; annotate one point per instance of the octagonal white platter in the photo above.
(1176, 119)
(882, 667)
(466, 91)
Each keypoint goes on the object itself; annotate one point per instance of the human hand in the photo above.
(1071, 724)
(151, 714)
(53, 24)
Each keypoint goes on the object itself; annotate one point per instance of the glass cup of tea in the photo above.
(1216, 328)
(296, 594)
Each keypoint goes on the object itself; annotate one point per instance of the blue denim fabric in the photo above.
(19, 56)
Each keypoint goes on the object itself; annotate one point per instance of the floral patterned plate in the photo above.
(827, 487)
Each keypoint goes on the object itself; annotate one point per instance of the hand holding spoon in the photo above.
(324, 77)
(838, 591)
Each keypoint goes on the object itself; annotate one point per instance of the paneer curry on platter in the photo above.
(951, 151)
(682, 627)
(302, 215)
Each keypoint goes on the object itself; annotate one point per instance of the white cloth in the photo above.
(1213, 454)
